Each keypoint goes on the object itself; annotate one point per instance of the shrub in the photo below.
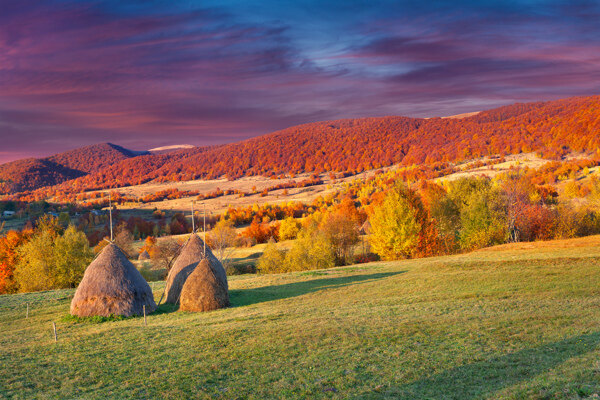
(272, 260)
(311, 250)
(261, 232)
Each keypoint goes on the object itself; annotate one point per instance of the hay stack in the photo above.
(366, 229)
(191, 254)
(112, 286)
(144, 256)
(203, 291)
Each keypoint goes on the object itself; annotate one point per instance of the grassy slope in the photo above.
(516, 322)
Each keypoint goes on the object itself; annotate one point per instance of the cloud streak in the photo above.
(143, 75)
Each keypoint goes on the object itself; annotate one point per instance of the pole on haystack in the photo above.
(193, 225)
(110, 215)
(204, 228)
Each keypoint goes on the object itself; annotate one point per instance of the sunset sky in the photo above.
(143, 74)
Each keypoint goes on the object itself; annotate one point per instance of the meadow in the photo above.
(514, 321)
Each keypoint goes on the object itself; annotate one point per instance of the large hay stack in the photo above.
(202, 290)
(191, 254)
(111, 285)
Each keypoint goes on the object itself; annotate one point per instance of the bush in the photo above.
(272, 260)
(311, 250)
(150, 274)
(235, 269)
(366, 258)
(261, 232)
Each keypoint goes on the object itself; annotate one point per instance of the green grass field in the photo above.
(519, 321)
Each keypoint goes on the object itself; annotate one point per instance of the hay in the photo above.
(144, 255)
(111, 285)
(202, 291)
(191, 254)
(365, 228)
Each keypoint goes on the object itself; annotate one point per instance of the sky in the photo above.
(144, 74)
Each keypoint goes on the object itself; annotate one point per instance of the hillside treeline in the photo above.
(553, 129)
(427, 219)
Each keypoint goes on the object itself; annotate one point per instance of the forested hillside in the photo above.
(552, 129)
(32, 173)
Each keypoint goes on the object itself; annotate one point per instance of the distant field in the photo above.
(246, 184)
(306, 194)
(516, 321)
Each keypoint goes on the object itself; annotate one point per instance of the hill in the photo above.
(552, 129)
(518, 321)
(34, 173)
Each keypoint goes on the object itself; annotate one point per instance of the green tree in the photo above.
(482, 213)
(71, 256)
(64, 219)
(311, 250)
(395, 226)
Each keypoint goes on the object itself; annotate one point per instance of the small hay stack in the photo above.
(112, 286)
(191, 254)
(365, 228)
(144, 256)
(202, 290)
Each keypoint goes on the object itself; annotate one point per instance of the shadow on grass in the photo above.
(483, 379)
(244, 297)
(165, 308)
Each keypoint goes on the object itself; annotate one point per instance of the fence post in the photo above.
(145, 323)
(27, 314)
(54, 326)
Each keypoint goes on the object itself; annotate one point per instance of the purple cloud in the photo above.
(144, 75)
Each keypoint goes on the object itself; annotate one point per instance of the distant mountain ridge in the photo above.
(552, 128)
(32, 173)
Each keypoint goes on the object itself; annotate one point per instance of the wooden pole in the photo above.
(204, 227)
(110, 215)
(54, 327)
(27, 315)
(145, 323)
(193, 225)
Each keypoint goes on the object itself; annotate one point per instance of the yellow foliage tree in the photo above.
(395, 227)
(289, 228)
